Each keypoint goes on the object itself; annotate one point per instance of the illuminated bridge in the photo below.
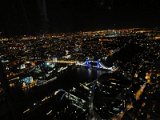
(96, 64)
(63, 61)
(88, 63)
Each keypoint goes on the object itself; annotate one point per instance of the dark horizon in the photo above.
(40, 16)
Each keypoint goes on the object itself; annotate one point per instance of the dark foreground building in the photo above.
(7, 111)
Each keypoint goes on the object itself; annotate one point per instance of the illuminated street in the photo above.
(80, 85)
(80, 60)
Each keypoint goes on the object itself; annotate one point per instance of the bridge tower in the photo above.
(87, 63)
(98, 64)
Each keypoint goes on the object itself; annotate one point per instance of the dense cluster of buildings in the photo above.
(34, 67)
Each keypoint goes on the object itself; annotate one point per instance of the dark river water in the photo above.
(66, 80)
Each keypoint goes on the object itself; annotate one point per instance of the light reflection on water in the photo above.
(88, 74)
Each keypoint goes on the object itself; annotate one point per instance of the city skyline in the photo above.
(79, 60)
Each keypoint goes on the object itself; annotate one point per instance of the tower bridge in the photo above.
(88, 63)
(97, 64)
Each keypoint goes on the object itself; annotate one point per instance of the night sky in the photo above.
(30, 16)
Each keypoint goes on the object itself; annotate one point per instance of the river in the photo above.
(68, 79)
